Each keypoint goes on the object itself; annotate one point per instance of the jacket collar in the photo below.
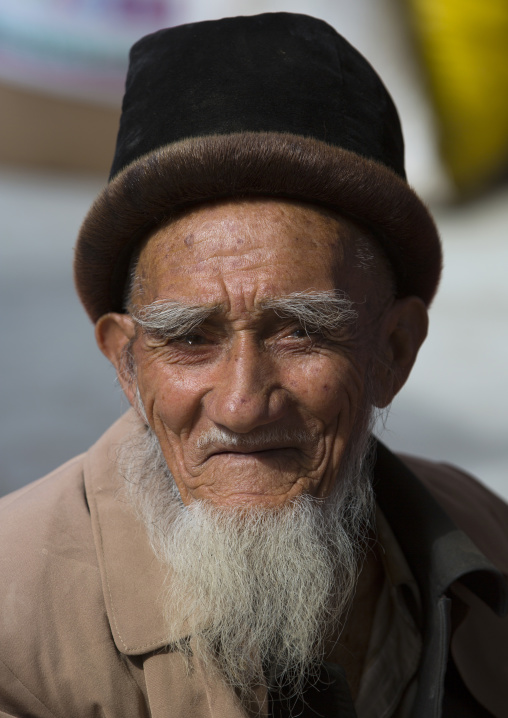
(438, 553)
(132, 577)
(133, 580)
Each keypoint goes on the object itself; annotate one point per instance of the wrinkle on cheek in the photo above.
(345, 401)
(164, 389)
(351, 403)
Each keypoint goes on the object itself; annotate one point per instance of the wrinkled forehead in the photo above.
(292, 246)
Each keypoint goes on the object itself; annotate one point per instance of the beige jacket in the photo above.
(81, 633)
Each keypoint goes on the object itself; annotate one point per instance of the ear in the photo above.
(403, 332)
(113, 333)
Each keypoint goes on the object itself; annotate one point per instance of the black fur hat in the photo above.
(278, 105)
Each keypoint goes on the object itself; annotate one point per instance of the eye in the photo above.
(191, 340)
(299, 333)
(306, 335)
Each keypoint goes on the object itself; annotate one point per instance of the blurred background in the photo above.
(62, 67)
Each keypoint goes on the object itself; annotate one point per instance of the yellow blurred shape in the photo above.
(464, 44)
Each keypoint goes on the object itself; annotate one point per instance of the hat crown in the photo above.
(276, 105)
(276, 72)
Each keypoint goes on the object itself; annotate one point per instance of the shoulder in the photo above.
(479, 512)
(46, 524)
(55, 626)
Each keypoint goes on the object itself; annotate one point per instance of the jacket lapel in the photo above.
(180, 688)
(132, 578)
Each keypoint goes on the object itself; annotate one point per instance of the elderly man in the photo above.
(258, 272)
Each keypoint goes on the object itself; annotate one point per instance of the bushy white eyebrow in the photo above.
(171, 318)
(315, 311)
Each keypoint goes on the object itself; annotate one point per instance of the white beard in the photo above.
(259, 589)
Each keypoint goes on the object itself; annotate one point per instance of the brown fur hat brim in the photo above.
(146, 193)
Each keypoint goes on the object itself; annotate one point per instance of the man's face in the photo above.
(286, 399)
(254, 334)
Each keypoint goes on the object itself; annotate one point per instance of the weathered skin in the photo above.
(246, 368)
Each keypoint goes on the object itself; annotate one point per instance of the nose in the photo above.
(247, 393)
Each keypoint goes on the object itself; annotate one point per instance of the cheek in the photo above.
(328, 389)
(170, 396)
